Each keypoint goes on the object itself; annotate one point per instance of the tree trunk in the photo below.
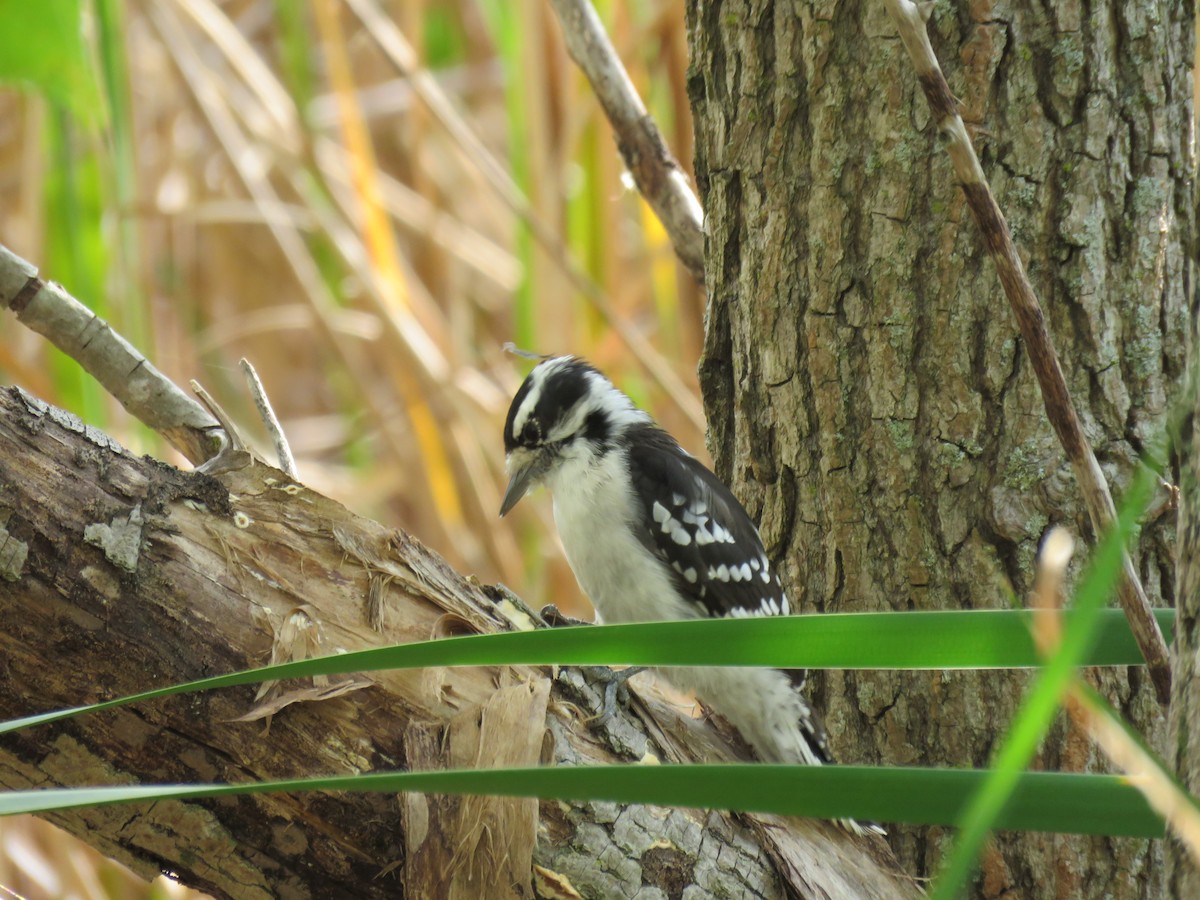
(1183, 874)
(119, 574)
(867, 393)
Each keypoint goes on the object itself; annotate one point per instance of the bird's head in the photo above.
(565, 412)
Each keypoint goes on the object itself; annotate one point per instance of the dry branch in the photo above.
(910, 20)
(150, 396)
(283, 451)
(657, 175)
(220, 574)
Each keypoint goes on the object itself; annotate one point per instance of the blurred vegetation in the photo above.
(263, 178)
(365, 213)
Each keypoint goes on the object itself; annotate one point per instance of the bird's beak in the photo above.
(524, 469)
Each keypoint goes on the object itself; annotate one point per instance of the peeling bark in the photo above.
(868, 394)
(121, 574)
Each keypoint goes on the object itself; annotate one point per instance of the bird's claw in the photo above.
(616, 689)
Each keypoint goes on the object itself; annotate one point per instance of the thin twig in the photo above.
(1092, 714)
(148, 394)
(283, 452)
(910, 20)
(1146, 773)
(657, 175)
(235, 454)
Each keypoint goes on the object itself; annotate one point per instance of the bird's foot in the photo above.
(555, 618)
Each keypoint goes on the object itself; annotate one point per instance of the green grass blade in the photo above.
(1040, 705)
(503, 19)
(76, 250)
(920, 640)
(1042, 801)
(132, 316)
(41, 46)
(296, 56)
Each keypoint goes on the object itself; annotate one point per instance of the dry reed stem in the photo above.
(1094, 717)
(657, 175)
(910, 20)
(273, 100)
(401, 54)
(418, 214)
(248, 166)
(394, 294)
(1142, 770)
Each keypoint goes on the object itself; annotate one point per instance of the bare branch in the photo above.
(283, 452)
(910, 22)
(658, 176)
(45, 307)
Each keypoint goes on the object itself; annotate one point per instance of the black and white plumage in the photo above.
(653, 535)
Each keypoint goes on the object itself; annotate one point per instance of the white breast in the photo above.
(594, 512)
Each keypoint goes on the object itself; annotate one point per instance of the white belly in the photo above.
(592, 510)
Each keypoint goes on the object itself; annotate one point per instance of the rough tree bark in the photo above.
(866, 390)
(1183, 875)
(119, 574)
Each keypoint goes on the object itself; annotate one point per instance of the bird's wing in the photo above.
(692, 521)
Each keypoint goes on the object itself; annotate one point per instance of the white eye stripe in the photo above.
(599, 396)
(573, 421)
(537, 384)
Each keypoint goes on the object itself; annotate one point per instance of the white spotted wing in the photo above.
(694, 523)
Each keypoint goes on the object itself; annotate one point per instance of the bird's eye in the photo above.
(531, 435)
